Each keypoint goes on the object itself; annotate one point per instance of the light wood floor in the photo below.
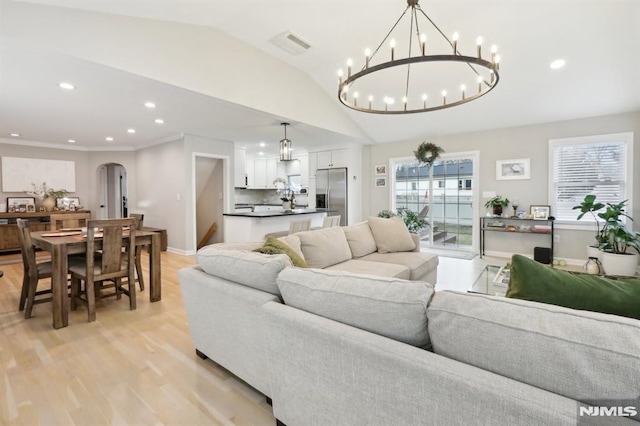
(127, 368)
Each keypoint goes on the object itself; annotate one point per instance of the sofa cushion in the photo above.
(390, 307)
(294, 242)
(391, 234)
(359, 266)
(419, 264)
(360, 239)
(582, 355)
(275, 246)
(533, 281)
(254, 270)
(324, 247)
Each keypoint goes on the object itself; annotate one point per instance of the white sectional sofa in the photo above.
(335, 347)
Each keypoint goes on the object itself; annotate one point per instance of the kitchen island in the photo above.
(253, 226)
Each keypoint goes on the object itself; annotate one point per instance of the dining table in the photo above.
(63, 243)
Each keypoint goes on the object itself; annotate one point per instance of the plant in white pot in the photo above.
(616, 240)
(589, 205)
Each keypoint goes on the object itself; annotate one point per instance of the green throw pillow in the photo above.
(533, 281)
(275, 246)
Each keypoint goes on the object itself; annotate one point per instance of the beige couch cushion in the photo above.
(582, 355)
(324, 247)
(390, 307)
(360, 239)
(419, 264)
(254, 270)
(294, 242)
(359, 266)
(391, 235)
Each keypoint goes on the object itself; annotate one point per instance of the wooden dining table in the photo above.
(66, 243)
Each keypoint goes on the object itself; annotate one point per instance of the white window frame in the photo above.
(586, 224)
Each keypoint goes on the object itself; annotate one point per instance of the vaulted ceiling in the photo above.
(598, 39)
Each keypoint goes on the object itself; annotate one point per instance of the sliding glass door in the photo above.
(443, 194)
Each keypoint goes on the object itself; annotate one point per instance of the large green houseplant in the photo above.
(411, 219)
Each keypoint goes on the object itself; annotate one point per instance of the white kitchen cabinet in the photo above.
(271, 171)
(332, 159)
(250, 170)
(239, 168)
(260, 173)
(313, 164)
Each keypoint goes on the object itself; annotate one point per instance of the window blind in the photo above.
(587, 168)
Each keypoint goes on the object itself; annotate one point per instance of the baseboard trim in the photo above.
(180, 251)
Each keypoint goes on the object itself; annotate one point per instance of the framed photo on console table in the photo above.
(21, 204)
(68, 203)
(541, 212)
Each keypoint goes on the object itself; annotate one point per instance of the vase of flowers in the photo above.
(285, 192)
(45, 196)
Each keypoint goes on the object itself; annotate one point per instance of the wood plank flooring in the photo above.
(126, 368)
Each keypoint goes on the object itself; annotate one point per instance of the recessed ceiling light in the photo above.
(71, 140)
(558, 63)
(132, 131)
(150, 105)
(262, 144)
(159, 121)
(66, 86)
(15, 135)
(109, 139)
(261, 153)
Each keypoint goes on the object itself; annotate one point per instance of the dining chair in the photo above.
(139, 224)
(330, 221)
(299, 226)
(112, 264)
(69, 220)
(33, 272)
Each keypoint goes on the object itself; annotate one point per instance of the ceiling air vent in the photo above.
(291, 43)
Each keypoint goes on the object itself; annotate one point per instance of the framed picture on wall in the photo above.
(381, 182)
(381, 170)
(21, 204)
(513, 169)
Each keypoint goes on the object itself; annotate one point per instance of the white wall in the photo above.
(501, 144)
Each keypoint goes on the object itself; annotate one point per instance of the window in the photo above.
(599, 165)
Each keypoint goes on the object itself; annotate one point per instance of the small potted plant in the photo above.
(615, 240)
(589, 205)
(497, 203)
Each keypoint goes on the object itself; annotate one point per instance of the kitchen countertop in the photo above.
(278, 213)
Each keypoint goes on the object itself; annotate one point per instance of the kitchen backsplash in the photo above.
(264, 196)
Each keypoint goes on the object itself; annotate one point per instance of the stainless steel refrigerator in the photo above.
(331, 192)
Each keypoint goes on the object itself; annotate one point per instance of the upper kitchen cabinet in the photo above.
(240, 169)
(332, 159)
(261, 172)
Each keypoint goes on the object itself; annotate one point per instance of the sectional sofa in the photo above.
(342, 348)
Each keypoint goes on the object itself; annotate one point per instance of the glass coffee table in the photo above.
(486, 284)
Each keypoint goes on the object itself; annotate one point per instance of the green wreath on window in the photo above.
(428, 153)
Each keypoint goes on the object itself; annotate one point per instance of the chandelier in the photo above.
(285, 145)
(413, 93)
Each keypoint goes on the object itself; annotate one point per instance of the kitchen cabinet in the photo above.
(239, 169)
(332, 159)
(272, 171)
(313, 164)
(250, 170)
(261, 172)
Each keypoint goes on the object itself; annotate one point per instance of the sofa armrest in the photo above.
(325, 372)
(416, 240)
(227, 324)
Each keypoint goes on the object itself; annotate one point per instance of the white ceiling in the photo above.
(599, 39)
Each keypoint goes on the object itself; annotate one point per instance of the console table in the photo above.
(38, 221)
(517, 227)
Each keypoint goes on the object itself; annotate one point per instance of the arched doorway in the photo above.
(112, 191)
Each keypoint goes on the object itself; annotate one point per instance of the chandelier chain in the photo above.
(388, 34)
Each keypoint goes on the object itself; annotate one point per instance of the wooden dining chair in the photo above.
(139, 224)
(33, 272)
(299, 226)
(69, 220)
(330, 221)
(112, 264)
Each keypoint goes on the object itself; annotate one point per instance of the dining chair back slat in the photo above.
(68, 220)
(330, 221)
(299, 226)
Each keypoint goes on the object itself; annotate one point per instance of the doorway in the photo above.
(209, 199)
(112, 192)
(448, 203)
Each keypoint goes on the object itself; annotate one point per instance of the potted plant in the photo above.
(615, 240)
(589, 205)
(497, 203)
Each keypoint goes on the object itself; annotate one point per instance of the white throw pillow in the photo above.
(324, 247)
(294, 242)
(360, 239)
(391, 235)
